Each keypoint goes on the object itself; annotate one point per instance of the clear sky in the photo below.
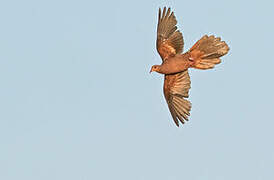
(77, 100)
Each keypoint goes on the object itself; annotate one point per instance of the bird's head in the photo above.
(155, 68)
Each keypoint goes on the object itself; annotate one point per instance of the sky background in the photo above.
(77, 100)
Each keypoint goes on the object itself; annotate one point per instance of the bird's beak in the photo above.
(150, 71)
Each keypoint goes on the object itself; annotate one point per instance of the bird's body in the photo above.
(175, 64)
(204, 54)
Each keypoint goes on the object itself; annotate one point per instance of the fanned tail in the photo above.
(206, 52)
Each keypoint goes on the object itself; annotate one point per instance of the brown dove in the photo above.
(204, 54)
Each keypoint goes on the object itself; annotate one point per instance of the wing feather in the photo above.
(169, 39)
(176, 89)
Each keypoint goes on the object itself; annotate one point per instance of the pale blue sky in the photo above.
(77, 101)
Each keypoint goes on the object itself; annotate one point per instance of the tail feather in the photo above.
(206, 52)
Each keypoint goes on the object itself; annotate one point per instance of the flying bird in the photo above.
(204, 54)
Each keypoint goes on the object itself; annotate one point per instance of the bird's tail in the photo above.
(206, 52)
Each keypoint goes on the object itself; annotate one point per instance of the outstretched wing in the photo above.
(169, 39)
(176, 88)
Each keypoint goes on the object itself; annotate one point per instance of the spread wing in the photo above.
(169, 39)
(176, 88)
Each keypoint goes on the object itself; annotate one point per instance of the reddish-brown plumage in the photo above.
(204, 54)
(175, 64)
(168, 84)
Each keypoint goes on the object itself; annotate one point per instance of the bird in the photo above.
(204, 54)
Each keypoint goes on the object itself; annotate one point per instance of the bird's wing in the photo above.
(169, 39)
(176, 88)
